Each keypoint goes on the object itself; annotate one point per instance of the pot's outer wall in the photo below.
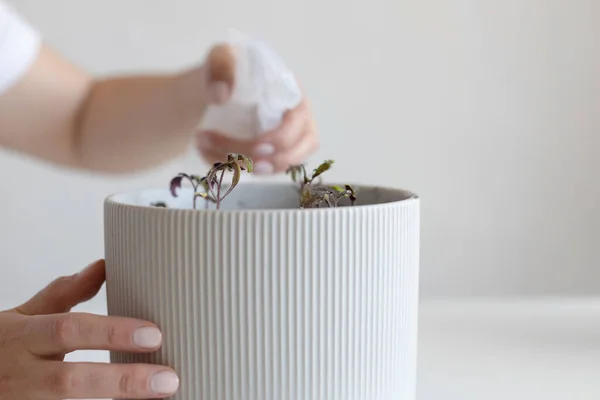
(273, 305)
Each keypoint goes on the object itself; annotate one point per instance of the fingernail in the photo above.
(264, 149)
(147, 337)
(263, 167)
(165, 382)
(218, 92)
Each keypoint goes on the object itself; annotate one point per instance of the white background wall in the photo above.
(487, 109)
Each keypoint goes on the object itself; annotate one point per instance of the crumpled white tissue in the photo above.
(264, 89)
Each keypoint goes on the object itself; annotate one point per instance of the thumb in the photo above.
(220, 73)
(66, 292)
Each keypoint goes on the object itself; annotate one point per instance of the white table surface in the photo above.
(518, 349)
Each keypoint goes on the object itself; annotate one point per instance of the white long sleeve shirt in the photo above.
(19, 46)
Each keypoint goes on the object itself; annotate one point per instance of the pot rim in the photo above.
(406, 197)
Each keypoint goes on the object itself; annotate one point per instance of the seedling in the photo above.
(312, 193)
(212, 183)
(314, 196)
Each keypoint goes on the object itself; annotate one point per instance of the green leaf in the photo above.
(237, 174)
(325, 166)
(295, 170)
(204, 183)
(205, 196)
(237, 158)
(338, 189)
(292, 170)
(247, 161)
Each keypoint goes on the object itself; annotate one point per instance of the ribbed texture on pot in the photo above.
(273, 305)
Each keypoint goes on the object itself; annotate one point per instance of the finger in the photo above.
(218, 143)
(307, 145)
(279, 162)
(66, 292)
(294, 124)
(49, 335)
(220, 73)
(103, 381)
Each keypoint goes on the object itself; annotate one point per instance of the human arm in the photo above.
(59, 113)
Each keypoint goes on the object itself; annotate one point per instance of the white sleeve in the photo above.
(19, 46)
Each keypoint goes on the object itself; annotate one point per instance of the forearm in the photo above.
(131, 123)
(60, 114)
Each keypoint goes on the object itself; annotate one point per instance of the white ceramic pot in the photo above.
(271, 302)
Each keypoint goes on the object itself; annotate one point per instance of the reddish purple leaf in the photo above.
(175, 184)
